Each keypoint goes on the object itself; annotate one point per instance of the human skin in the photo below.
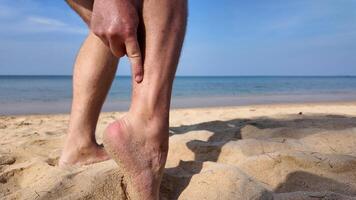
(94, 71)
(138, 142)
(92, 79)
(116, 23)
(91, 82)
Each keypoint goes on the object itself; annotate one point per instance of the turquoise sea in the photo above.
(52, 94)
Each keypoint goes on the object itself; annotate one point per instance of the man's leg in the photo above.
(139, 141)
(94, 71)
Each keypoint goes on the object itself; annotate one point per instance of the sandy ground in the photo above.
(292, 152)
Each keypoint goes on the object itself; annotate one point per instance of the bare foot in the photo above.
(78, 155)
(140, 149)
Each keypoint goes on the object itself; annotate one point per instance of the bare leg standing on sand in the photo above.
(139, 141)
(94, 71)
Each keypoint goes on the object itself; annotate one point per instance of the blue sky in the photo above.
(230, 37)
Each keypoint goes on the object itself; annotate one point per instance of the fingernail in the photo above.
(138, 78)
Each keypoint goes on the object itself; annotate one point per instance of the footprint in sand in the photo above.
(3, 126)
(7, 160)
(52, 161)
(23, 123)
(7, 175)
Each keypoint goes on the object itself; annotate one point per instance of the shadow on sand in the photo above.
(226, 131)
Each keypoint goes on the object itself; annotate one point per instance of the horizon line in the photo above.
(43, 75)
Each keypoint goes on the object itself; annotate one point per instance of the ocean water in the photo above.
(48, 94)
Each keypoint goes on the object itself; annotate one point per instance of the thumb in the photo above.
(134, 54)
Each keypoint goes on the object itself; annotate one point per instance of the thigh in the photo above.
(84, 8)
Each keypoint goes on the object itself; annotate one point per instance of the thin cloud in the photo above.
(45, 21)
(45, 24)
(39, 24)
(30, 21)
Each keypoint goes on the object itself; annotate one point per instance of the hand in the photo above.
(116, 23)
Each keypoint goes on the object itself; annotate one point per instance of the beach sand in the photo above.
(291, 152)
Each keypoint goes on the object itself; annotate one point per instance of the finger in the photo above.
(116, 47)
(134, 54)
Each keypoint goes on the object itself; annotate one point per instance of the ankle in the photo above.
(80, 141)
(157, 115)
(156, 129)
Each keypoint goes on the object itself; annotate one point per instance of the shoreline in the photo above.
(251, 107)
(50, 95)
(63, 107)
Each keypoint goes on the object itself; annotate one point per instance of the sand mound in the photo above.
(264, 152)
